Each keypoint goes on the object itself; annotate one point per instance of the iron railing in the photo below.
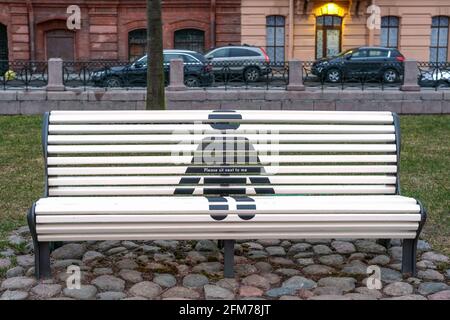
(217, 75)
(250, 75)
(23, 74)
(220, 75)
(434, 74)
(86, 73)
(351, 77)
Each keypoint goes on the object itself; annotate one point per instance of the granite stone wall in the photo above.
(402, 102)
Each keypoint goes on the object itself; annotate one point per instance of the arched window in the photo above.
(137, 44)
(439, 39)
(389, 31)
(3, 42)
(189, 39)
(328, 35)
(275, 37)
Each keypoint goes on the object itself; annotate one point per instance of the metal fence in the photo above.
(246, 74)
(250, 75)
(434, 74)
(122, 74)
(92, 73)
(23, 74)
(350, 77)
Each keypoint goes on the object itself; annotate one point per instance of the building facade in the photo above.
(111, 29)
(302, 29)
(309, 29)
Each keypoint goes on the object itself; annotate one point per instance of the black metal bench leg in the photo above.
(42, 261)
(41, 249)
(409, 256)
(228, 258)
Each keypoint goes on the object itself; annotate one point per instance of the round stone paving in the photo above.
(317, 269)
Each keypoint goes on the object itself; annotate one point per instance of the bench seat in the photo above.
(260, 217)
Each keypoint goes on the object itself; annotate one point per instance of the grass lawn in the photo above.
(425, 171)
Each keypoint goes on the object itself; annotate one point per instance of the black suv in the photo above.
(371, 62)
(197, 71)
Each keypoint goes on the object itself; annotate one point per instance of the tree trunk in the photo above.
(155, 60)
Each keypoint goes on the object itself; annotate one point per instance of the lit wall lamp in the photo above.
(330, 8)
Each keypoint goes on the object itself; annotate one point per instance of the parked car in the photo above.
(374, 62)
(197, 71)
(435, 77)
(247, 61)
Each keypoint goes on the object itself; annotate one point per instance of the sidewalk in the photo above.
(265, 269)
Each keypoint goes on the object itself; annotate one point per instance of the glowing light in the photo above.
(330, 9)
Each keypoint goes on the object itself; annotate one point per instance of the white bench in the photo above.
(147, 175)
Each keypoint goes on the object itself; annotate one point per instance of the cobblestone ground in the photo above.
(265, 269)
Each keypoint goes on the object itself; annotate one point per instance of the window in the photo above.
(141, 62)
(328, 36)
(236, 52)
(198, 57)
(389, 31)
(378, 53)
(185, 57)
(221, 53)
(137, 44)
(190, 39)
(359, 54)
(439, 39)
(275, 36)
(171, 56)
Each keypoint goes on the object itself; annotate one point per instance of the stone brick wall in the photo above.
(37, 102)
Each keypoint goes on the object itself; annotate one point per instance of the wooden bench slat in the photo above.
(188, 159)
(231, 217)
(170, 112)
(230, 235)
(267, 199)
(126, 227)
(189, 117)
(199, 205)
(199, 191)
(182, 170)
(265, 204)
(191, 148)
(199, 138)
(206, 128)
(234, 180)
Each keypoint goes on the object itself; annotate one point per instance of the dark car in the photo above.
(372, 62)
(197, 71)
(246, 62)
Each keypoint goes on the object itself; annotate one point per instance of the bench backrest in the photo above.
(119, 153)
